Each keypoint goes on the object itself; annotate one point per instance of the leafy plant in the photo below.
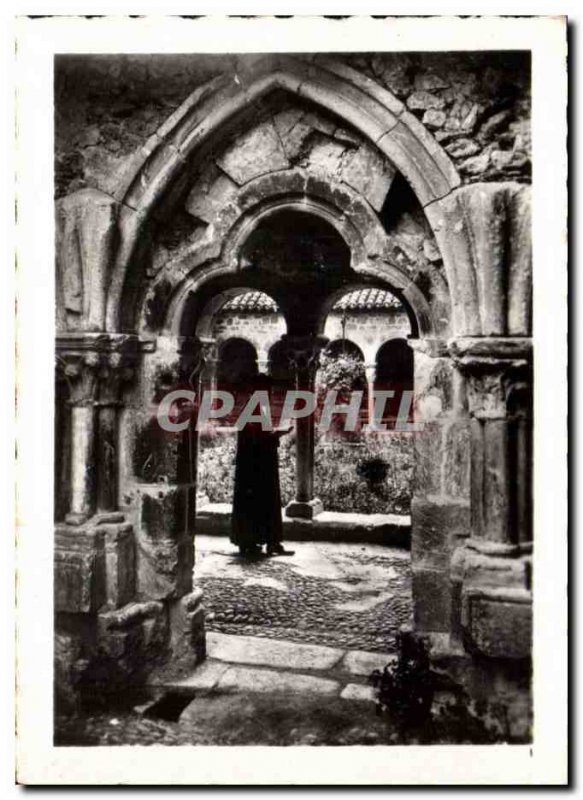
(343, 372)
(348, 473)
(406, 688)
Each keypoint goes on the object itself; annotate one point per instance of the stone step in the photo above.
(271, 652)
(225, 650)
(393, 530)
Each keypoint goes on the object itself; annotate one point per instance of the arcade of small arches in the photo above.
(314, 216)
(368, 326)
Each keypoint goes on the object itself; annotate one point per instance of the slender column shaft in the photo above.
(305, 459)
(107, 470)
(495, 481)
(82, 443)
(370, 370)
(523, 434)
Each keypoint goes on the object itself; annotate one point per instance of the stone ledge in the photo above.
(392, 530)
(271, 652)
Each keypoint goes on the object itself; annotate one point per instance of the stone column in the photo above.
(303, 357)
(94, 553)
(370, 372)
(263, 362)
(81, 372)
(114, 371)
(491, 573)
(209, 354)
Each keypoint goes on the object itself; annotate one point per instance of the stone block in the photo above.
(187, 627)
(370, 174)
(434, 119)
(361, 662)
(357, 691)
(211, 193)
(247, 679)
(437, 526)
(159, 455)
(431, 600)
(297, 509)
(456, 459)
(325, 155)
(497, 628)
(165, 567)
(204, 678)
(134, 638)
(270, 652)
(67, 660)
(427, 466)
(85, 232)
(167, 512)
(79, 563)
(255, 153)
(422, 100)
(120, 563)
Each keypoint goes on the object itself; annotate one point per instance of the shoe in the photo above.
(250, 552)
(279, 550)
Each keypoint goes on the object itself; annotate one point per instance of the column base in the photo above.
(492, 603)
(308, 509)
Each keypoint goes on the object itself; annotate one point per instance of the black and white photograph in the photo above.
(293, 422)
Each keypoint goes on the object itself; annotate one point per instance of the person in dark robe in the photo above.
(256, 518)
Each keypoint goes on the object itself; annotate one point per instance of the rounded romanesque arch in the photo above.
(394, 362)
(217, 256)
(344, 347)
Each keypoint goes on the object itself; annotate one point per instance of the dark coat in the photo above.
(256, 517)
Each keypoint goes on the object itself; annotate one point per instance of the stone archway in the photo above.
(121, 343)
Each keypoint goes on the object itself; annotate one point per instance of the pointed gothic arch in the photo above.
(370, 109)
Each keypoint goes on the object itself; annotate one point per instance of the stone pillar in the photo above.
(370, 372)
(440, 506)
(115, 370)
(303, 355)
(491, 573)
(209, 354)
(81, 372)
(167, 496)
(263, 362)
(92, 550)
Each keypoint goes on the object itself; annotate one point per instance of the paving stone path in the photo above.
(340, 595)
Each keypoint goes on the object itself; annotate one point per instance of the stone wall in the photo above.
(477, 105)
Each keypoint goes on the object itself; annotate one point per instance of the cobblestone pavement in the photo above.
(341, 595)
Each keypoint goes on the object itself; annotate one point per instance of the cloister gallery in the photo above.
(225, 216)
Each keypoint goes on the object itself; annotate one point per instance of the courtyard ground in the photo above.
(341, 595)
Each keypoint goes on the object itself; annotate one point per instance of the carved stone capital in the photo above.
(208, 354)
(498, 373)
(115, 371)
(303, 354)
(95, 365)
(80, 371)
